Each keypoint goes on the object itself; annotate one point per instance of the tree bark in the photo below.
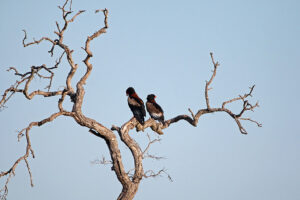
(128, 192)
(130, 183)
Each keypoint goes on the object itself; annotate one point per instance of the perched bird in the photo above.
(136, 105)
(155, 111)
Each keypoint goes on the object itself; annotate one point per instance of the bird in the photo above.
(136, 105)
(155, 111)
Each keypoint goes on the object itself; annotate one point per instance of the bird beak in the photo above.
(126, 94)
(154, 97)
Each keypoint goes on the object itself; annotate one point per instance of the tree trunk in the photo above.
(128, 192)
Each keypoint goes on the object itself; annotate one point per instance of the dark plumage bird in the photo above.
(136, 105)
(155, 111)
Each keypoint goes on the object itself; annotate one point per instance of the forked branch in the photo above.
(130, 183)
(152, 174)
(9, 173)
(146, 151)
(193, 120)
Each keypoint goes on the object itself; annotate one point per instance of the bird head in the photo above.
(130, 91)
(151, 98)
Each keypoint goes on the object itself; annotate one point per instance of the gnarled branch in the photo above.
(152, 174)
(158, 127)
(130, 183)
(11, 171)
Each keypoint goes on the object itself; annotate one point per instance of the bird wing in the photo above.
(153, 108)
(137, 99)
(158, 107)
(155, 111)
(140, 101)
(135, 103)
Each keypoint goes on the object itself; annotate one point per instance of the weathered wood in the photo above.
(129, 182)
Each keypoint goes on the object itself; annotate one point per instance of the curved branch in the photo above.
(26, 78)
(133, 146)
(96, 128)
(59, 42)
(216, 64)
(131, 186)
(29, 150)
(110, 138)
(130, 183)
(158, 127)
(145, 152)
(35, 41)
(240, 97)
(152, 174)
(89, 66)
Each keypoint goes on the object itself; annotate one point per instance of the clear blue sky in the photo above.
(162, 48)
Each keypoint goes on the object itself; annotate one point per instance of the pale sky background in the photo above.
(160, 47)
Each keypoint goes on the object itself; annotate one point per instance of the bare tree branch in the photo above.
(29, 171)
(27, 78)
(146, 151)
(240, 97)
(216, 64)
(35, 41)
(29, 150)
(133, 146)
(158, 127)
(152, 174)
(257, 123)
(129, 179)
(103, 161)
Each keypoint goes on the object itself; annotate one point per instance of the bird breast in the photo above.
(133, 102)
(156, 115)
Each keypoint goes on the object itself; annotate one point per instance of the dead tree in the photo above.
(75, 94)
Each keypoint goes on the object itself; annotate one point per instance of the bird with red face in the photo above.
(155, 111)
(136, 105)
